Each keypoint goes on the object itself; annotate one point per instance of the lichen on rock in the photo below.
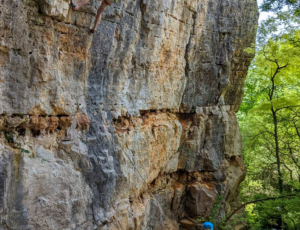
(133, 127)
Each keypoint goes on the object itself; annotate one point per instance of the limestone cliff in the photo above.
(132, 128)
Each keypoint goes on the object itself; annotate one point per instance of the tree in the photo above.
(256, 201)
(284, 21)
(270, 123)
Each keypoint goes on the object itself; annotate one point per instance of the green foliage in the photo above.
(214, 214)
(9, 137)
(278, 5)
(264, 215)
(213, 217)
(25, 151)
(186, 150)
(31, 156)
(283, 23)
(201, 219)
(272, 87)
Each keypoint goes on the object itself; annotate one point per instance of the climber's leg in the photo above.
(79, 4)
(104, 4)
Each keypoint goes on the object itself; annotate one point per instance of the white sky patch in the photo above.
(263, 15)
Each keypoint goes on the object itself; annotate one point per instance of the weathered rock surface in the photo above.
(132, 128)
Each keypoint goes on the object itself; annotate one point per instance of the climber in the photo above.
(104, 4)
(207, 226)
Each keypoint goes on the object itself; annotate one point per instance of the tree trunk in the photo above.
(278, 162)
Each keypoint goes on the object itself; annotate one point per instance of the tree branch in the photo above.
(287, 107)
(256, 201)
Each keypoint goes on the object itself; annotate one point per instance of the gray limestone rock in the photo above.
(133, 127)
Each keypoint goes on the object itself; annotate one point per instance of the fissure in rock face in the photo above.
(131, 128)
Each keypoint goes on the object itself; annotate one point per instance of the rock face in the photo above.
(132, 128)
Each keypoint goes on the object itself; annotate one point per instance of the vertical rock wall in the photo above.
(131, 128)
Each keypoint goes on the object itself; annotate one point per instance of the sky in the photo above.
(263, 15)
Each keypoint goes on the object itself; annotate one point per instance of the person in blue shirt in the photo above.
(104, 4)
(207, 226)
